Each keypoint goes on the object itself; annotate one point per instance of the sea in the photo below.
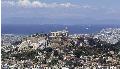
(27, 29)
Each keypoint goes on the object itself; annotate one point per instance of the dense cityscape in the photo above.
(60, 34)
(62, 50)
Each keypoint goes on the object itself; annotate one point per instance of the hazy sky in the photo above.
(61, 9)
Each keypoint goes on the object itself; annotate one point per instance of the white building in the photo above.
(59, 33)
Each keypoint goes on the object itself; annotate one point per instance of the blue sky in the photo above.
(57, 10)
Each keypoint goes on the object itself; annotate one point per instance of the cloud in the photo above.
(24, 3)
(8, 3)
(36, 4)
